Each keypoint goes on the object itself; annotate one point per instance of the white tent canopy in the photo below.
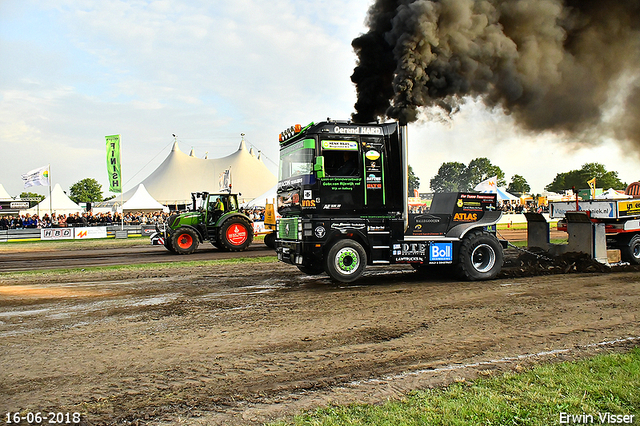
(4, 195)
(143, 201)
(58, 201)
(261, 200)
(180, 174)
(612, 194)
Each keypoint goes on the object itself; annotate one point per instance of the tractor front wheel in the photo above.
(184, 241)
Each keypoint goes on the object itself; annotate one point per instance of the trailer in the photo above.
(620, 218)
(343, 197)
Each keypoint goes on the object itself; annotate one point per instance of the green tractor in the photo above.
(214, 218)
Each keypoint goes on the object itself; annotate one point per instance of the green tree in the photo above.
(579, 178)
(449, 178)
(519, 184)
(480, 169)
(86, 191)
(414, 181)
(32, 195)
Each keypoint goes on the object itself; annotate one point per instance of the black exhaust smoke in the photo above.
(551, 64)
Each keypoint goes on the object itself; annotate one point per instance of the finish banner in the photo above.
(113, 163)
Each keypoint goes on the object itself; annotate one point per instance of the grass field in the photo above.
(604, 387)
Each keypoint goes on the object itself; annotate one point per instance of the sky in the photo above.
(75, 71)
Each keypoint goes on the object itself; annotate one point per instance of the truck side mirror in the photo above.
(319, 167)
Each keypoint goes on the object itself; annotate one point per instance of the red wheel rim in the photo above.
(237, 234)
(185, 241)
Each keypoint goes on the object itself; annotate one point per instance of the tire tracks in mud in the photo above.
(245, 344)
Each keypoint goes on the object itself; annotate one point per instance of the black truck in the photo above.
(343, 198)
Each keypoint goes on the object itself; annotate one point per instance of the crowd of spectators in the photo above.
(27, 220)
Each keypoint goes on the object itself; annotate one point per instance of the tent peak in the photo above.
(175, 147)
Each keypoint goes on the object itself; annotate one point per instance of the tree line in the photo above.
(454, 176)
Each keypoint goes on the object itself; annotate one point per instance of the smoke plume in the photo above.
(551, 64)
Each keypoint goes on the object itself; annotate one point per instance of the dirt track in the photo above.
(251, 342)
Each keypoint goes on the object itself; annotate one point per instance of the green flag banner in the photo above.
(113, 163)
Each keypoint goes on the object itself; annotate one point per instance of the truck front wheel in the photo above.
(235, 234)
(480, 256)
(184, 241)
(631, 252)
(345, 261)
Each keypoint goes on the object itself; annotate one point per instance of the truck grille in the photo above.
(288, 228)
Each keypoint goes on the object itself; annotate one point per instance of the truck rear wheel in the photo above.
(184, 241)
(631, 251)
(345, 261)
(480, 256)
(235, 234)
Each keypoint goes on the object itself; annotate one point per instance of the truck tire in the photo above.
(345, 261)
(631, 251)
(235, 234)
(480, 256)
(184, 241)
(270, 240)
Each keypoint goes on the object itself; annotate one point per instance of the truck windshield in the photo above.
(297, 159)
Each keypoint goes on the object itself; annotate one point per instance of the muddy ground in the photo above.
(252, 342)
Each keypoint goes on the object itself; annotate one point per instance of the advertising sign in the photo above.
(113, 163)
(90, 232)
(56, 234)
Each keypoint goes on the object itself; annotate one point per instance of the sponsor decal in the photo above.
(465, 217)
(332, 206)
(410, 249)
(427, 219)
(357, 130)
(376, 228)
(411, 259)
(320, 232)
(340, 145)
(460, 203)
(441, 252)
(372, 155)
(344, 226)
(308, 194)
(373, 178)
(308, 204)
(238, 234)
(374, 186)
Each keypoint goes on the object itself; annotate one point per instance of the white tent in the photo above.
(612, 194)
(180, 174)
(4, 195)
(60, 203)
(143, 201)
(262, 199)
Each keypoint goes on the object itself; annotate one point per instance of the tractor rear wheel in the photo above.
(184, 241)
(235, 234)
(270, 239)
